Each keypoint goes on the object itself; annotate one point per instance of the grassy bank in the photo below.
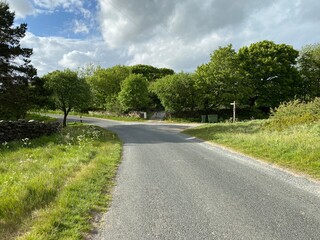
(296, 147)
(51, 186)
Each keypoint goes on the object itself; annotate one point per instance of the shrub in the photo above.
(293, 113)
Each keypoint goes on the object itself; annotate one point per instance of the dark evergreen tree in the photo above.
(16, 72)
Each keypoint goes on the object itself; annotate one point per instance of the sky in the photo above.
(176, 34)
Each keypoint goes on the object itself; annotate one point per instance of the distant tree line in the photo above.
(258, 77)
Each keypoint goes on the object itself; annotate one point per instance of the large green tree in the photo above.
(106, 85)
(134, 93)
(309, 67)
(271, 72)
(16, 72)
(176, 92)
(152, 74)
(69, 92)
(221, 80)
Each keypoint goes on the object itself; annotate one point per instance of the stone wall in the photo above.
(16, 130)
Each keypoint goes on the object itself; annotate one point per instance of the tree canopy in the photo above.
(16, 72)
(134, 93)
(106, 85)
(69, 92)
(309, 67)
(271, 72)
(176, 92)
(220, 81)
(150, 72)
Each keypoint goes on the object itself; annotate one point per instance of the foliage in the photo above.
(293, 113)
(272, 76)
(134, 93)
(106, 85)
(220, 81)
(68, 90)
(309, 67)
(296, 148)
(15, 69)
(176, 92)
(41, 96)
(51, 186)
(150, 72)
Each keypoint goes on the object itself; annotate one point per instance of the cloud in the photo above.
(178, 34)
(124, 22)
(52, 4)
(181, 34)
(75, 58)
(22, 8)
(80, 27)
(53, 53)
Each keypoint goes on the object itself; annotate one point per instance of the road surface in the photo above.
(172, 186)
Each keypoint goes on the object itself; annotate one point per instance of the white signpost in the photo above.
(234, 111)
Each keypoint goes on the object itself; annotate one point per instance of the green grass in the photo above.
(103, 116)
(296, 147)
(50, 187)
(39, 117)
(182, 120)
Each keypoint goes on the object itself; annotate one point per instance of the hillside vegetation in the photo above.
(290, 138)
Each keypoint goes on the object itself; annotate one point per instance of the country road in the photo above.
(172, 186)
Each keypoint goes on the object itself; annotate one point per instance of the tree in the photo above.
(40, 96)
(150, 72)
(176, 92)
(220, 81)
(106, 85)
(309, 68)
(271, 72)
(16, 72)
(69, 92)
(134, 93)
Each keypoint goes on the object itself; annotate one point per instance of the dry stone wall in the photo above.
(21, 129)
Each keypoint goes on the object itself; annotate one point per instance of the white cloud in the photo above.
(22, 8)
(52, 4)
(75, 58)
(181, 34)
(175, 53)
(80, 27)
(52, 53)
(178, 34)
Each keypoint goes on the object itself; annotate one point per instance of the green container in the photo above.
(203, 118)
(213, 118)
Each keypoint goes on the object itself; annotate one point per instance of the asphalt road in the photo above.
(172, 186)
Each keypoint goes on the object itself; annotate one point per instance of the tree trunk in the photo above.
(66, 112)
(64, 124)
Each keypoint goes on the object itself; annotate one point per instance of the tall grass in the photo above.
(50, 186)
(290, 138)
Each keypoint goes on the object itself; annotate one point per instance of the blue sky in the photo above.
(71, 22)
(178, 34)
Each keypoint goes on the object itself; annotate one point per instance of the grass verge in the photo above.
(39, 117)
(51, 186)
(296, 148)
(103, 116)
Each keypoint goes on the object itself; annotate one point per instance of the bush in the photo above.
(293, 113)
